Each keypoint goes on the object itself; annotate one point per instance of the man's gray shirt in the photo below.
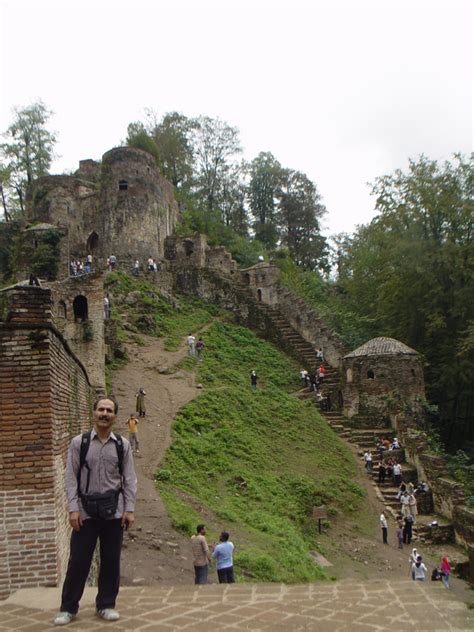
(104, 473)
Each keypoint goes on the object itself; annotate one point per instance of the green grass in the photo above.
(255, 463)
(153, 314)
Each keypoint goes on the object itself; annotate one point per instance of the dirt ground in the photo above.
(154, 553)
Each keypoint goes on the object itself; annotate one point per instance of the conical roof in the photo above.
(382, 346)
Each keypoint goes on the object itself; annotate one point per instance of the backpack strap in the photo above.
(120, 452)
(85, 443)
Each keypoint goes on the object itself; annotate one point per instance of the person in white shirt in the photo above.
(384, 527)
(191, 345)
(418, 570)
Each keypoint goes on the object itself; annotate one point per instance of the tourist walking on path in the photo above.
(253, 380)
(101, 488)
(201, 554)
(418, 570)
(140, 402)
(384, 527)
(407, 529)
(191, 343)
(412, 560)
(132, 425)
(399, 534)
(106, 307)
(223, 553)
(199, 348)
(445, 571)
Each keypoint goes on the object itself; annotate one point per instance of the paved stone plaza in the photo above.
(324, 607)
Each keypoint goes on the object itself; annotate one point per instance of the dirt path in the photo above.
(153, 551)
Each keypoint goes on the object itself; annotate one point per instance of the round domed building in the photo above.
(381, 377)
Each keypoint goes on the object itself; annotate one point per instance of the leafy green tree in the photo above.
(215, 145)
(233, 198)
(300, 213)
(27, 154)
(173, 139)
(412, 271)
(266, 179)
(138, 137)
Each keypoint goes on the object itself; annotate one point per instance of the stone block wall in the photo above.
(449, 496)
(45, 400)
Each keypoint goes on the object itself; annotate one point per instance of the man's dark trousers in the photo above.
(83, 542)
(226, 575)
(200, 574)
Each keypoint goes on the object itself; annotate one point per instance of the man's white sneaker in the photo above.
(63, 618)
(108, 614)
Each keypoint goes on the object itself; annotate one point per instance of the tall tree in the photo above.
(28, 152)
(300, 212)
(215, 145)
(173, 139)
(266, 179)
(233, 198)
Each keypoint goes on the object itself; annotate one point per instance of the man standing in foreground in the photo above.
(101, 502)
(201, 554)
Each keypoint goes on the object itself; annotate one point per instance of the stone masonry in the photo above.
(45, 401)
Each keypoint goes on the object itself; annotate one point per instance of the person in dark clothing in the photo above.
(253, 380)
(407, 529)
(382, 473)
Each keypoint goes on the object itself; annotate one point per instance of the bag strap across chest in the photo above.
(85, 443)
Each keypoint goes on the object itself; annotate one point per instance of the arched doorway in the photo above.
(79, 306)
(259, 295)
(62, 309)
(92, 243)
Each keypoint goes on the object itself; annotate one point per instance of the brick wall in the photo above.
(45, 400)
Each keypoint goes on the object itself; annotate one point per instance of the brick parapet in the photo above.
(45, 400)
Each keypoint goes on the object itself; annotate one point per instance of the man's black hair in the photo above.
(111, 399)
(225, 536)
(200, 527)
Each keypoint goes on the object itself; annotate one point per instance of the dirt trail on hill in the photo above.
(153, 551)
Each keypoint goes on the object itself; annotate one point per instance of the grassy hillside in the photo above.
(255, 463)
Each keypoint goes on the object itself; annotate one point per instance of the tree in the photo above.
(232, 198)
(173, 139)
(27, 154)
(215, 143)
(300, 212)
(266, 178)
(138, 137)
(412, 270)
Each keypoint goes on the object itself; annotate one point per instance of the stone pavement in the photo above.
(323, 607)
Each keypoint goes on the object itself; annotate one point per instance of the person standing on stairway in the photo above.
(321, 373)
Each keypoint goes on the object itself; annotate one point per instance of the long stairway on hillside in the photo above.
(367, 438)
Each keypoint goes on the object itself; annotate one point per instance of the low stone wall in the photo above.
(310, 326)
(449, 497)
(45, 400)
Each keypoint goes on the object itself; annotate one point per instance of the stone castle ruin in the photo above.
(54, 341)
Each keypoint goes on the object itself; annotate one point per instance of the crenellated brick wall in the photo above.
(45, 400)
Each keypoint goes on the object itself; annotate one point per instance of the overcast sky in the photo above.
(343, 91)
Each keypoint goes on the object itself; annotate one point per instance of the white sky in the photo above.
(343, 91)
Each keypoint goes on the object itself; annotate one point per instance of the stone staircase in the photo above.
(366, 439)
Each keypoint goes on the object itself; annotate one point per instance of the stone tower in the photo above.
(138, 207)
(381, 377)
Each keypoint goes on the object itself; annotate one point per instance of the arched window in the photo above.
(79, 306)
(62, 309)
(370, 375)
(123, 185)
(259, 295)
(349, 375)
(92, 242)
(413, 372)
(247, 278)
